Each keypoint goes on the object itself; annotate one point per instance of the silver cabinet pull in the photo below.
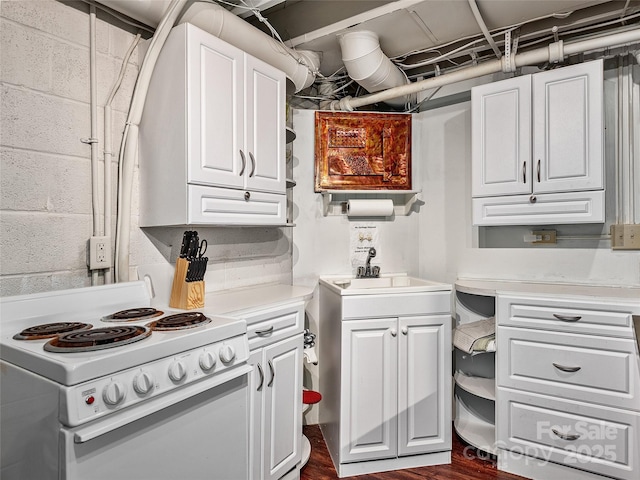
(405, 330)
(565, 436)
(273, 374)
(538, 170)
(253, 164)
(567, 318)
(261, 377)
(533, 199)
(244, 163)
(393, 332)
(266, 331)
(566, 369)
(524, 172)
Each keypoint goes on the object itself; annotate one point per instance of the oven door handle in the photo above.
(119, 419)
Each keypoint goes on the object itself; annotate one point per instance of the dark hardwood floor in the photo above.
(465, 465)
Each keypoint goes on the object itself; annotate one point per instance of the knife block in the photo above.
(185, 295)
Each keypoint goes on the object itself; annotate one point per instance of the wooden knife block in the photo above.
(185, 295)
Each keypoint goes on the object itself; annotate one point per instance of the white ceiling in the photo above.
(406, 25)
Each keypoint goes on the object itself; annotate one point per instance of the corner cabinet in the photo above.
(212, 136)
(385, 380)
(537, 148)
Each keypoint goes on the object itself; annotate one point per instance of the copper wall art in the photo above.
(362, 151)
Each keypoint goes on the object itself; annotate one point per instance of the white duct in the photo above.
(555, 52)
(299, 66)
(369, 66)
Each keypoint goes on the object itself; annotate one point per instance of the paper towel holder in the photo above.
(334, 202)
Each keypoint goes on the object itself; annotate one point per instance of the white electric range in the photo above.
(164, 395)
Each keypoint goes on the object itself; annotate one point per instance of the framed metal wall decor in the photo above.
(362, 151)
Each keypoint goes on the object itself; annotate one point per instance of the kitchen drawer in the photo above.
(567, 314)
(540, 361)
(226, 206)
(597, 439)
(396, 304)
(267, 326)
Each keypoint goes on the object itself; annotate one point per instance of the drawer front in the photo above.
(397, 304)
(567, 315)
(603, 370)
(267, 326)
(596, 439)
(226, 206)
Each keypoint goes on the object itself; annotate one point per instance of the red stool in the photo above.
(309, 397)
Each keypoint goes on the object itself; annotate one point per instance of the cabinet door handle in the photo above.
(524, 172)
(393, 332)
(565, 436)
(538, 169)
(404, 330)
(244, 163)
(566, 369)
(261, 377)
(567, 318)
(253, 164)
(273, 374)
(264, 332)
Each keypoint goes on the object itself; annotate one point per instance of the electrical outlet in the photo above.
(625, 237)
(99, 257)
(545, 236)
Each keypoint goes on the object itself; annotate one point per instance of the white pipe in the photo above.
(369, 66)
(108, 154)
(485, 31)
(93, 141)
(129, 147)
(299, 66)
(532, 57)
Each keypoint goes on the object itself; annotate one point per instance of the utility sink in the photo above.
(393, 283)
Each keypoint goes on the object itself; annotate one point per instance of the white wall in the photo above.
(45, 204)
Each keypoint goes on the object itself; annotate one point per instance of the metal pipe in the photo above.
(532, 57)
(93, 141)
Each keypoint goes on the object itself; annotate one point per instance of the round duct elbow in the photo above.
(369, 66)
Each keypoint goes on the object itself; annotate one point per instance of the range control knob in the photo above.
(113, 393)
(207, 361)
(143, 383)
(177, 371)
(227, 353)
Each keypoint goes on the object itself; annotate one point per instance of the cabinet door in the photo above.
(283, 407)
(424, 385)
(215, 98)
(568, 128)
(368, 428)
(257, 386)
(265, 126)
(501, 137)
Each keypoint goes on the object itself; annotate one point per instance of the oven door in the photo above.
(204, 435)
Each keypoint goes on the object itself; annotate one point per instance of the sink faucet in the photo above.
(367, 271)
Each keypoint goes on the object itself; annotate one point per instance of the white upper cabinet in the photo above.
(536, 135)
(568, 129)
(214, 117)
(501, 137)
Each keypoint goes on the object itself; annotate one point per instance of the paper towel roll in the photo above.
(370, 208)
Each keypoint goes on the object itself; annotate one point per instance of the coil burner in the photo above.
(97, 339)
(50, 330)
(131, 314)
(179, 321)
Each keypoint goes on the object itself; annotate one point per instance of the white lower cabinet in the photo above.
(386, 385)
(276, 342)
(568, 386)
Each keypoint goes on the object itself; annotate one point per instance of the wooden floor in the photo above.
(465, 465)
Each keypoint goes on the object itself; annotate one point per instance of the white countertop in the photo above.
(491, 287)
(238, 300)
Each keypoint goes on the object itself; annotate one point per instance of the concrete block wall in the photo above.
(45, 181)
